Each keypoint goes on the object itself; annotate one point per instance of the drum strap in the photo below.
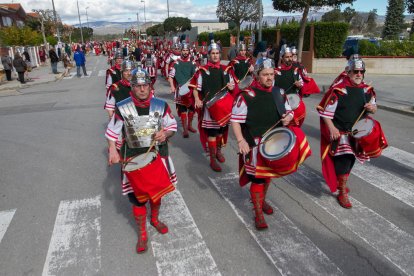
(278, 99)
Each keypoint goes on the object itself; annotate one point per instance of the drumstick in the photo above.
(271, 128)
(359, 117)
(151, 146)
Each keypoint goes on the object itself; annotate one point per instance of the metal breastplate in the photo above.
(140, 129)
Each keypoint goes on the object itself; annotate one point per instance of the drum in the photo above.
(299, 108)
(284, 149)
(220, 107)
(148, 176)
(184, 89)
(294, 100)
(370, 138)
(246, 82)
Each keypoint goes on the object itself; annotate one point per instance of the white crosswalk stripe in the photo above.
(5, 219)
(75, 245)
(388, 239)
(305, 258)
(401, 156)
(388, 182)
(182, 251)
(73, 74)
(102, 73)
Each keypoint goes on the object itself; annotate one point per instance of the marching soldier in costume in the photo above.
(309, 84)
(171, 57)
(120, 90)
(146, 123)
(208, 84)
(340, 110)
(113, 74)
(257, 111)
(241, 65)
(181, 71)
(289, 79)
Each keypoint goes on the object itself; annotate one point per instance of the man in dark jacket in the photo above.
(20, 66)
(6, 60)
(54, 59)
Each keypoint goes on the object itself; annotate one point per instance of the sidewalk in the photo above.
(39, 75)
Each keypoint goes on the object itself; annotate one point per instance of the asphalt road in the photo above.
(62, 212)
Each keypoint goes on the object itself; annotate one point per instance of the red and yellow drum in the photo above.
(148, 177)
(284, 149)
(370, 138)
(299, 109)
(220, 107)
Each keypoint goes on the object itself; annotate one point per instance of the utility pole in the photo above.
(57, 26)
(168, 9)
(259, 37)
(80, 22)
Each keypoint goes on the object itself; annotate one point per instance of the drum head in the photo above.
(139, 161)
(277, 143)
(294, 100)
(246, 82)
(363, 128)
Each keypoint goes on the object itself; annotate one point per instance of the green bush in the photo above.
(396, 48)
(367, 48)
(329, 38)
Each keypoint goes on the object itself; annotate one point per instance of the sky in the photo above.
(155, 10)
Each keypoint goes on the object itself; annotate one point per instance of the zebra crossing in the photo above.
(73, 74)
(75, 243)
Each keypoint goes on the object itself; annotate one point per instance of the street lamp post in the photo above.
(80, 22)
(57, 26)
(145, 18)
(259, 38)
(138, 27)
(87, 20)
(168, 9)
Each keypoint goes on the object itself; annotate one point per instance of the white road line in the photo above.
(5, 219)
(71, 75)
(182, 251)
(290, 251)
(382, 235)
(75, 246)
(102, 73)
(387, 182)
(398, 155)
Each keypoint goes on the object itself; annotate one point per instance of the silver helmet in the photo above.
(356, 64)
(263, 63)
(213, 46)
(140, 77)
(127, 65)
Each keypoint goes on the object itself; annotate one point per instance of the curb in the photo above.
(400, 110)
(26, 85)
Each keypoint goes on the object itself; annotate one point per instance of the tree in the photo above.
(304, 6)
(372, 21)
(348, 14)
(334, 15)
(410, 9)
(358, 23)
(15, 36)
(237, 11)
(394, 19)
(177, 24)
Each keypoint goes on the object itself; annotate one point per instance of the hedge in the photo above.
(329, 37)
(386, 48)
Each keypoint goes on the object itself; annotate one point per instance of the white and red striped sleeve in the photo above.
(168, 121)
(110, 102)
(239, 111)
(114, 129)
(199, 82)
(171, 72)
(329, 110)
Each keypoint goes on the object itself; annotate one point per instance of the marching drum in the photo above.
(246, 82)
(369, 137)
(147, 175)
(220, 107)
(284, 149)
(299, 108)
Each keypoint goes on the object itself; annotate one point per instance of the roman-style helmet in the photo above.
(263, 63)
(140, 77)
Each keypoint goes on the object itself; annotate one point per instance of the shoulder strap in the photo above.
(278, 99)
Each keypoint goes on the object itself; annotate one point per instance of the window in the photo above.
(7, 22)
(19, 23)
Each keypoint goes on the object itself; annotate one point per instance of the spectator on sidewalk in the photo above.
(26, 58)
(67, 64)
(20, 66)
(232, 52)
(80, 60)
(68, 51)
(54, 59)
(7, 62)
(42, 55)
